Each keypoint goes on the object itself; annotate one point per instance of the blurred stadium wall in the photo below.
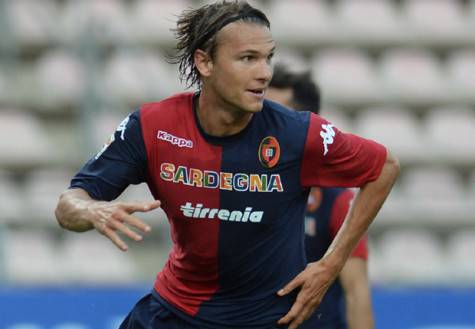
(401, 72)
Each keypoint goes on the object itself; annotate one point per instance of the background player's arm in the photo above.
(354, 280)
(77, 211)
(354, 275)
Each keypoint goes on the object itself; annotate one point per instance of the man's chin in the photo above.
(255, 107)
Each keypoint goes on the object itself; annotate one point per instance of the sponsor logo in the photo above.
(269, 152)
(200, 212)
(327, 134)
(180, 142)
(239, 182)
(121, 128)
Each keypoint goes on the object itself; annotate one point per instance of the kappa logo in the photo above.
(121, 128)
(269, 152)
(180, 142)
(327, 134)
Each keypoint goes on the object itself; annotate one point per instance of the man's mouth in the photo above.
(257, 92)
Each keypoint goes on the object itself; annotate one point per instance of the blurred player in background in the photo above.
(347, 303)
(232, 172)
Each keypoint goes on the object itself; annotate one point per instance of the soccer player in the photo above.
(347, 303)
(232, 172)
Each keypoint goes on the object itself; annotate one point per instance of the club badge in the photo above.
(269, 152)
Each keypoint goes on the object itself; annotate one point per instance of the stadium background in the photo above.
(401, 72)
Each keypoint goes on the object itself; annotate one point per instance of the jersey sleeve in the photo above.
(121, 161)
(340, 208)
(333, 158)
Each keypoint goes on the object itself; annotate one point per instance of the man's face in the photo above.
(282, 96)
(241, 68)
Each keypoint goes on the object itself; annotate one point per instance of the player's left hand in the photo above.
(314, 281)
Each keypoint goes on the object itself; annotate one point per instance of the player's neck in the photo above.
(218, 118)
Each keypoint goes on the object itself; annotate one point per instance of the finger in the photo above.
(145, 206)
(293, 313)
(126, 230)
(115, 238)
(289, 287)
(296, 323)
(135, 222)
(301, 317)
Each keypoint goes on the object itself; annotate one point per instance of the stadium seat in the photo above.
(394, 211)
(451, 132)
(347, 76)
(412, 75)
(153, 20)
(461, 73)
(90, 257)
(11, 200)
(471, 183)
(102, 21)
(313, 21)
(435, 195)
(446, 24)
(375, 263)
(122, 78)
(291, 59)
(60, 79)
(412, 256)
(394, 127)
(42, 190)
(26, 143)
(370, 21)
(32, 22)
(31, 257)
(104, 125)
(460, 247)
(338, 118)
(433, 183)
(3, 85)
(138, 77)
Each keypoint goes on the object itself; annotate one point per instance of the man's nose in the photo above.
(265, 71)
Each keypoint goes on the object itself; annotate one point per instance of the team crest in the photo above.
(269, 152)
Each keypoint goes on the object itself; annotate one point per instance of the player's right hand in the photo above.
(111, 218)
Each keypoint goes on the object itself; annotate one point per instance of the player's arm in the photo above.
(354, 280)
(88, 204)
(347, 161)
(77, 211)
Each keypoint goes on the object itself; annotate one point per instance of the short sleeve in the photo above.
(339, 210)
(333, 158)
(121, 161)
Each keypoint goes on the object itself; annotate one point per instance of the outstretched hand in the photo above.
(313, 282)
(109, 218)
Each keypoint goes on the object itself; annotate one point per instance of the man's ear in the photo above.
(203, 63)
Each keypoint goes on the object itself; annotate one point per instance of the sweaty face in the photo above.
(282, 96)
(241, 69)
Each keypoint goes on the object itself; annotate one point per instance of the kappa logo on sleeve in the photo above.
(121, 129)
(327, 134)
(174, 140)
(122, 126)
